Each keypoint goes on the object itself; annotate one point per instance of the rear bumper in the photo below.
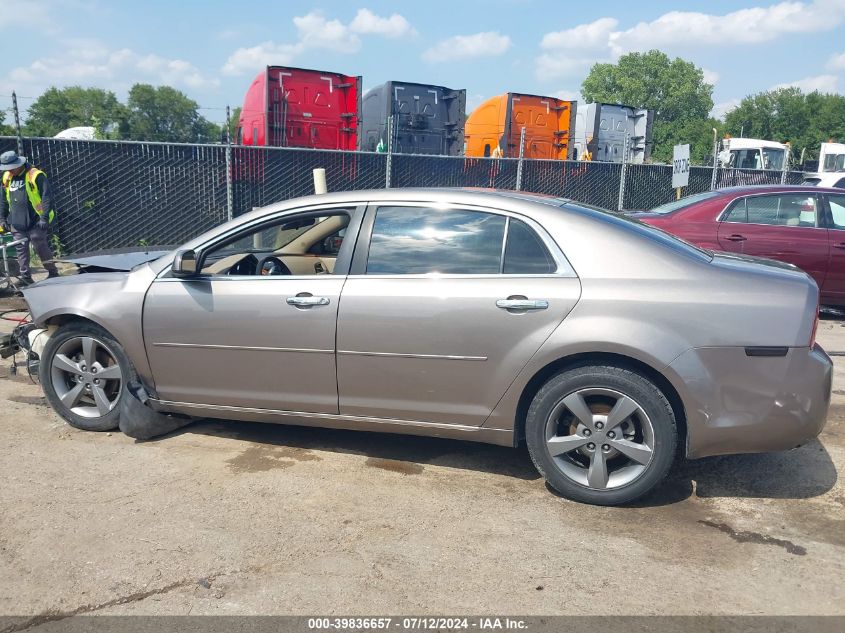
(736, 403)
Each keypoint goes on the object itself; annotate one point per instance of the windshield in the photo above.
(834, 162)
(272, 238)
(683, 203)
(773, 158)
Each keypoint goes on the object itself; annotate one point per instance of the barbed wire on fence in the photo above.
(112, 194)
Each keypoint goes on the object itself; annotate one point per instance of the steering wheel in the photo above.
(271, 265)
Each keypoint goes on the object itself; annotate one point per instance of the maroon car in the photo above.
(800, 225)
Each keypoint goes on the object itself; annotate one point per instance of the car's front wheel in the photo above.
(85, 372)
(601, 434)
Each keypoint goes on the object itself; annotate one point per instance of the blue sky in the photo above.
(211, 50)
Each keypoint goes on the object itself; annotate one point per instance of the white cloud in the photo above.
(591, 36)
(822, 83)
(368, 23)
(552, 66)
(35, 13)
(572, 51)
(254, 58)
(89, 62)
(721, 109)
(473, 101)
(487, 44)
(836, 62)
(314, 31)
(745, 26)
(567, 95)
(710, 76)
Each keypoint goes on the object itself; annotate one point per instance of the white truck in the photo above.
(831, 160)
(79, 133)
(753, 153)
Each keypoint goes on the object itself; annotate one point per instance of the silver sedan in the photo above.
(605, 345)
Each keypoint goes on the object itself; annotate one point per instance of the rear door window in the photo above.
(423, 240)
(783, 210)
(737, 212)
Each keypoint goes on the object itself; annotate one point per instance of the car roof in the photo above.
(831, 176)
(746, 189)
(466, 195)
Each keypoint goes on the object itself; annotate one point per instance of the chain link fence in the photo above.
(109, 195)
(417, 170)
(112, 194)
(592, 183)
(263, 175)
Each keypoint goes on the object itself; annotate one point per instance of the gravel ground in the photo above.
(240, 518)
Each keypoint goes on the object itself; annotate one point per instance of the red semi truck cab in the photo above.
(299, 107)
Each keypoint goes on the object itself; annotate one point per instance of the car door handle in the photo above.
(307, 301)
(522, 304)
(840, 245)
(736, 238)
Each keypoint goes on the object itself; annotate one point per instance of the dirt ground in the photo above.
(240, 518)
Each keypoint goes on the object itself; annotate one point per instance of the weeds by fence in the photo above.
(111, 194)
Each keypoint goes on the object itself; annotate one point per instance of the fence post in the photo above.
(621, 203)
(389, 166)
(785, 167)
(715, 173)
(521, 159)
(229, 193)
(17, 123)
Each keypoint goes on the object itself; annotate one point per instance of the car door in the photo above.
(444, 306)
(245, 335)
(781, 226)
(833, 290)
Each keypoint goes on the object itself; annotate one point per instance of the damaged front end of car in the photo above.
(28, 339)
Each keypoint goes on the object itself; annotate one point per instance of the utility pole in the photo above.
(17, 123)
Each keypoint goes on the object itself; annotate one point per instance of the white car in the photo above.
(834, 179)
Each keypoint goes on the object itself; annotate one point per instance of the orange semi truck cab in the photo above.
(494, 127)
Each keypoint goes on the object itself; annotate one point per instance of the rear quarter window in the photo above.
(737, 212)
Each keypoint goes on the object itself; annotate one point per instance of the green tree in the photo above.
(165, 114)
(58, 109)
(674, 88)
(234, 120)
(5, 130)
(787, 114)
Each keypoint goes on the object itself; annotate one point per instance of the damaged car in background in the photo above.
(606, 345)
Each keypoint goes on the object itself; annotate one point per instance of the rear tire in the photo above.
(85, 373)
(602, 435)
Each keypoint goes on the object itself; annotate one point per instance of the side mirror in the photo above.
(184, 264)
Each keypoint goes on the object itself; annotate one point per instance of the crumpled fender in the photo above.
(139, 421)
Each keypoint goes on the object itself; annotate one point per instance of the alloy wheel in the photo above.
(86, 376)
(600, 438)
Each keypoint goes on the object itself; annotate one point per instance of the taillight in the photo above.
(815, 328)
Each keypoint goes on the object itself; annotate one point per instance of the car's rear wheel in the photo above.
(85, 372)
(601, 434)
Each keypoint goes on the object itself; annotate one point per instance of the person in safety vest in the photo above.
(26, 209)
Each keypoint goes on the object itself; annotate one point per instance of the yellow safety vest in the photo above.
(31, 192)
